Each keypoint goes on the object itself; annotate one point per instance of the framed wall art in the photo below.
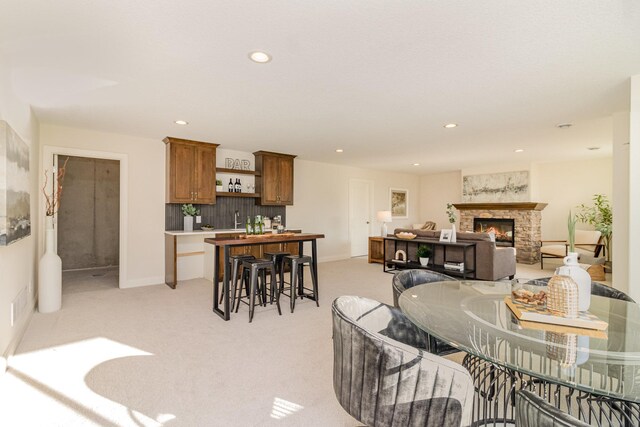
(399, 202)
(15, 197)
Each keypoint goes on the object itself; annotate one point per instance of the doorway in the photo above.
(88, 223)
(360, 197)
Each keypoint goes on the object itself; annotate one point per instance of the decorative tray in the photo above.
(528, 313)
(406, 236)
(265, 235)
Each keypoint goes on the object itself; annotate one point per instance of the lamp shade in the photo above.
(384, 216)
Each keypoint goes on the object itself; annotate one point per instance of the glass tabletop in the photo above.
(472, 316)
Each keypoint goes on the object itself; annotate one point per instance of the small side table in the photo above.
(376, 250)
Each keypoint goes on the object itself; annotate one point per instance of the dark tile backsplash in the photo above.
(220, 215)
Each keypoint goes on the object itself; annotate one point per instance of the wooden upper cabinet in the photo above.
(191, 171)
(275, 179)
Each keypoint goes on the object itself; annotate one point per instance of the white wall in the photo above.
(145, 194)
(565, 185)
(18, 260)
(621, 198)
(436, 190)
(634, 189)
(321, 202)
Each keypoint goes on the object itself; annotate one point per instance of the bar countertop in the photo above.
(262, 239)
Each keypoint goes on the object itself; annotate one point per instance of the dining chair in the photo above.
(534, 411)
(382, 376)
(406, 279)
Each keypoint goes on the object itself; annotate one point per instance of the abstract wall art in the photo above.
(496, 187)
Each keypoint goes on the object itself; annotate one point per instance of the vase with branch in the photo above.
(50, 266)
(452, 220)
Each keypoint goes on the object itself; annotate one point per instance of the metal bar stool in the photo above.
(278, 262)
(257, 268)
(236, 263)
(297, 263)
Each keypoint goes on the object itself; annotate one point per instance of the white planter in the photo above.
(219, 188)
(188, 223)
(49, 273)
(453, 232)
(424, 262)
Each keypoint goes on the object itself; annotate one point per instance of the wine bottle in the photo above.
(231, 187)
(238, 186)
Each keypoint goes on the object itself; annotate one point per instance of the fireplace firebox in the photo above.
(503, 228)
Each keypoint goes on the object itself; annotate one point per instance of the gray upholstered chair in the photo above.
(597, 288)
(533, 411)
(406, 279)
(382, 377)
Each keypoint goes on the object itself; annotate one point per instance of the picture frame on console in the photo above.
(399, 203)
(445, 235)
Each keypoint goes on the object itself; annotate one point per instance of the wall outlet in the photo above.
(198, 219)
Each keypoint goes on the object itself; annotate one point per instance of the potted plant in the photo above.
(219, 187)
(600, 216)
(189, 211)
(424, 252)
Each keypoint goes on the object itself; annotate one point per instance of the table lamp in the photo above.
(384, 217)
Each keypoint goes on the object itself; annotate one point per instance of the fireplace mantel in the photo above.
(511, 206)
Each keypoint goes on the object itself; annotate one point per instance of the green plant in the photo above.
(218, 182)
(424, 251)
(571, 226)
(450, 213)
(600, 216)
(189, 210)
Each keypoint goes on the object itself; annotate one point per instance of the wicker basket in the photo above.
(562, 299)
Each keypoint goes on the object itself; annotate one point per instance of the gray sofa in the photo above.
(493, 263)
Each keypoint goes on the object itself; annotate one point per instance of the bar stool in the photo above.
(257, 268)
(277, 257)
(236, 263)
(297, 263)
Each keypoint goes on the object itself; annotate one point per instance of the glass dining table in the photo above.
(593, 375)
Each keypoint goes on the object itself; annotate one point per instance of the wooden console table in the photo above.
(376, 250)
(397, 265)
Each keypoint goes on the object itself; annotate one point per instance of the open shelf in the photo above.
(228, 194)
(237, 171)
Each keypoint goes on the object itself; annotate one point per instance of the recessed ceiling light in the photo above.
(451, 125)
(518, 150)
(181, 122)
(339, 150)
(593, 148)
(416, 164)
(260, 57)
(564, 125)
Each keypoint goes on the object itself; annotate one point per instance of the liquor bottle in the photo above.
(238, 186)
(231, 186)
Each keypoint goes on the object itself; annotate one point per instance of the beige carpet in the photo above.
(156, 356)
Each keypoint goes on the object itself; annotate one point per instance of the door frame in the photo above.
(48, 151)
(371, 203)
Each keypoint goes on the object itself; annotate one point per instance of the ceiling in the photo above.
(378, 79)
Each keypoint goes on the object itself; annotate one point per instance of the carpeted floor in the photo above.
(156, 356)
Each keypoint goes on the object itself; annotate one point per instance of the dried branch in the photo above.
(52, 200)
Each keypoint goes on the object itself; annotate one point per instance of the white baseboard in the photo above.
(159, 280)
(13, 345)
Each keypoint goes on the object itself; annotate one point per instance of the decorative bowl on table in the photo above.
(405, 235)
(529, 295)
(207, 227)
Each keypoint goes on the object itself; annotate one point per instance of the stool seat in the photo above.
(297, 262)
(272, 253)
(257, 268)
(236, 262)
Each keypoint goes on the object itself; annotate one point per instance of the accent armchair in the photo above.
(588, 245)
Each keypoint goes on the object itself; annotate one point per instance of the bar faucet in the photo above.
(236, 220)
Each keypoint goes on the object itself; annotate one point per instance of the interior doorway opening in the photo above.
(88, 223)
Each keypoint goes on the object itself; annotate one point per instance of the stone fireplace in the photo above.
(527, 221)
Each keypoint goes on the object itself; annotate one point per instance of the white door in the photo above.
(360, 192)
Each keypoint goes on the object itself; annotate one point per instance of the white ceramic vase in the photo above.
(188, 223)
(424, 262)
(572, 269)
(49, 273)
(453, 232)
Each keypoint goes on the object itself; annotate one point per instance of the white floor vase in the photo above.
(49, 274)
